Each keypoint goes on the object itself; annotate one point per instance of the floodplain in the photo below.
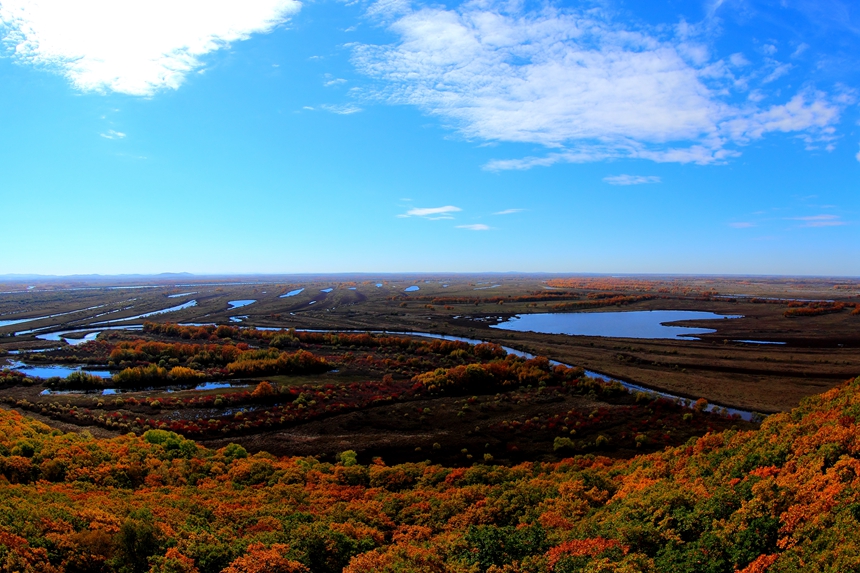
(750, 345)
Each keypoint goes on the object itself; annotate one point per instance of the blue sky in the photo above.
(388, 135)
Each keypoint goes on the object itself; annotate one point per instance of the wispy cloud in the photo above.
(131, 47)
(631, 179)
(800, 49)
(475, 227)
(585, 87)
(742, 225)
(111, 134)
(779, 70)
(508, 212)
(333, 81)
(432, 213)
(820, 221)
(343, 109)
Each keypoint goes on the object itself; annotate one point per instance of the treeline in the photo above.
(615, 300)
(268, 362)
(204, 356)
(13, 378)
(539, 296)
(797, 308)
(291, 338)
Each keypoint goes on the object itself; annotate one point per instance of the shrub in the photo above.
(264, 390)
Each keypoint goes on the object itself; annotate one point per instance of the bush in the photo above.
(264, 390)
(348, 458)
(79, 381)
(563, 443)
(141, 375)
(182, 374)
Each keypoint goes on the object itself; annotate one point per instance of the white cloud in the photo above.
(631, 179)
(344, 109)
(432, 213)
(756, 96)
(130, 46)
(742, 225)
(575, 82)
(111, 134)
(820, 221)
(858, 156)
(738, 60)
(809, 111)
(474, 227)
(508, 212)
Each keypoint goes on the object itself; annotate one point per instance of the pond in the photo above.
(646, 324)
(82, 339)
(412, 288)
(329, 289)
(176, 308)
(239, 303)
(34, 319)
(292, 293)
(167, 389)
(49, 370)
(64, 334)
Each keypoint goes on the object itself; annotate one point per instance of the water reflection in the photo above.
(292, 293)
(645, 324)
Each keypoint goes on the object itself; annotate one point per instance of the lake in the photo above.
(616, 324)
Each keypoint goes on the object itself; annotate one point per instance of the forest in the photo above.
(783, 497)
